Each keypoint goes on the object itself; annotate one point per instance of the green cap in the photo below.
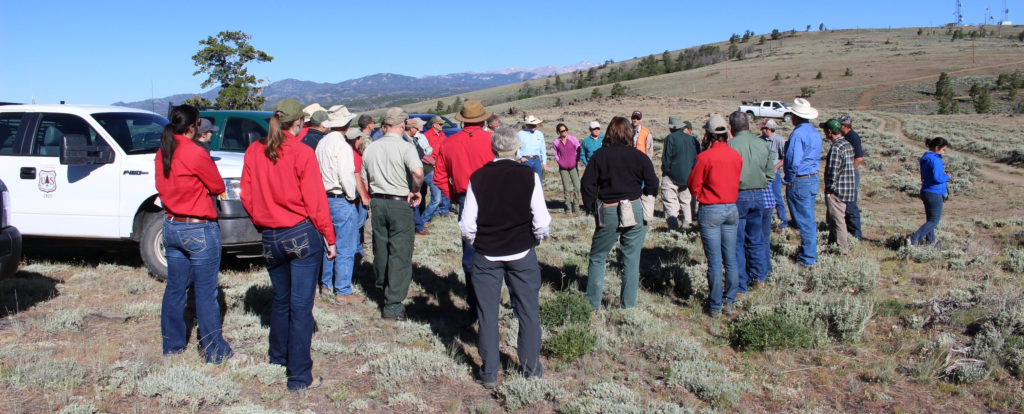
(832, 125)
(318, 117)
(687, 125)
(290, 109)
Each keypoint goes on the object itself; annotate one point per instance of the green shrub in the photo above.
(968, 374)
(1014, 261)
(848, 317)
(565, 308)
(521, 392)
(674, 348)
(63, 320)
(889, 308)
(767, 331)
(708, 380)
(46, 373)
(834, 274)
(185, 385)
(572, 342)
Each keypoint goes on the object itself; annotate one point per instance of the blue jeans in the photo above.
(293, 257)
(193, 260)
(467, 264)
(800, 196)
(362, 214)
(417, 218)
(535, 165)
(718, 224)
(933, 213)
(337, 274)
(780, 206)
(750, 238)
(766, 229)
(438, 205)
(852, 211)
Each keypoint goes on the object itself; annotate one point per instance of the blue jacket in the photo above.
(933, 174)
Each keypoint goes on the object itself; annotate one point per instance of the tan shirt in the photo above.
(337, 165)
(388, 164)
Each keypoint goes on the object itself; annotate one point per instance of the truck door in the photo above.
(10, 148)
(62, 200)
(776, 110)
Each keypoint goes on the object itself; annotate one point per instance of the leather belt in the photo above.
(535, 157)
(808, 175)
(186, 219)
(329, 195)
(390, 197)
(616, 204)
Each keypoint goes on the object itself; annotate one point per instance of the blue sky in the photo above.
(109, 51)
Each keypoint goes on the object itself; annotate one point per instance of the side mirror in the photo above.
(254, 136)
(75, 150)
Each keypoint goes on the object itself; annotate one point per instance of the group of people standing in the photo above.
(308, 185)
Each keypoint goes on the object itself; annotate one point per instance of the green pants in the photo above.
(393, 227)
(631, 240)
(572, 194)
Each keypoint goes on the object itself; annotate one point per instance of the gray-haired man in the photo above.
(504, 218)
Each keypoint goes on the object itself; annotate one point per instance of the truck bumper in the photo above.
(237, 233)
(10, 251)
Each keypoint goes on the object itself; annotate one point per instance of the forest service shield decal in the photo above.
(47, 181)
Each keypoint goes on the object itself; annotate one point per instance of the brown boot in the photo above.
(351, 298)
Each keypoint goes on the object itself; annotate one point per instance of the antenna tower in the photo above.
(958, 16)
(1006, 14)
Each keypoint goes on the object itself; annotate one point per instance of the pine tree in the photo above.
(596, 93)
(821, 27)
(618, 89)
(942, 87)
(848, 72)
(776, 35)
(457, 106)
(439, 107)
(559, 85)
(547, 85)
(982, 102)
(761, 42)
(819, 76)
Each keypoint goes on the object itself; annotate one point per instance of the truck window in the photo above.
(9, 124)
(236, 133)
(776, 105)
(53, 127)
(134, 132)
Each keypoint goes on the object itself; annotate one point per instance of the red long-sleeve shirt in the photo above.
(434, 138)
(460, 155)
(283, 194)
(715, 178)
(194, 177)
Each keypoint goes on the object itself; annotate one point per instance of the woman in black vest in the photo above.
(616, 177)
(504, 218)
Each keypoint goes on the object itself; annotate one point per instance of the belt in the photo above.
(390, 197)
(187, 219)
(533, 157)
(751, 191)
(616, 204)
(342, 196)
(808, 175)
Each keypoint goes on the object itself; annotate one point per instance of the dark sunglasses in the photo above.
(563, 130)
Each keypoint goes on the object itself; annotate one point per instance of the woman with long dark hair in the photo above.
(284, 194)
(615, 179)
(933, 190)
(186, 178)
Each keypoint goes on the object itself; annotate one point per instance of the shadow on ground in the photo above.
(24, 290)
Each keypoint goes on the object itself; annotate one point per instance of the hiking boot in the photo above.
(715, 314)
(317, 382)
(397, 318)
(760, 285)
(741, 294)
(350, 298)
(729, 309)
(423, 232)
(487, 385)
(330, 298)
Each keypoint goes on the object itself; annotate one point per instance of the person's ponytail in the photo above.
(275, 136)
(182, 117)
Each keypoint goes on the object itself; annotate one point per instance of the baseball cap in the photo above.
(206, 126)
(436, 120)
(354, 134)
(716, 124)
(830, 125)
(637, 115)
(318, 117)
(687, 125)
(768, 123)
(290, 109)
(395, 116)
(595, 125)
(845, 120)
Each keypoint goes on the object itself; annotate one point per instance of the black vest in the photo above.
(503, 190)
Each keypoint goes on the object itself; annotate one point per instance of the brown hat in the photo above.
(637, 115)
(436, 120)
(415, 122)
(395, 116)
(473, 111)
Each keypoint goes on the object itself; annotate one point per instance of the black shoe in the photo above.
(487, 385)
(729, 309)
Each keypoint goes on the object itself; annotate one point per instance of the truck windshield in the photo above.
(134, 132)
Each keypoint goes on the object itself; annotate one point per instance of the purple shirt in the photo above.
(567, 154)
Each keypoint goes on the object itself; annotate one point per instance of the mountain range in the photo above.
(379, 90)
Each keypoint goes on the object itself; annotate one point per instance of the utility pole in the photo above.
(972, 51)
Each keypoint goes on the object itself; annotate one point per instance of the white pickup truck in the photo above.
(767, 109)
(87, 173)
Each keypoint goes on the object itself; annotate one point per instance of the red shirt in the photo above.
(194, 177)
(716, 176)
(282, 195)
(459, 156)
(434, 138)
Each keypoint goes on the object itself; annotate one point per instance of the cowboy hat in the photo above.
(532, 120)
(309, 110)
(803, 109)
(338, 116)
(473, 111)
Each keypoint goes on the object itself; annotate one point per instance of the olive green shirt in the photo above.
(758, 170)
(388, 164)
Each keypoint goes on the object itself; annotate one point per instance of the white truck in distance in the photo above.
(88, 173)
(767, 109)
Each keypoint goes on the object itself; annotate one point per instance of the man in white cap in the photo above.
(591, 143)
(337, 170)
(533, 153)
(800, 168)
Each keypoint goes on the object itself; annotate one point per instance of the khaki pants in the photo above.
(835, 217)
(674, 200)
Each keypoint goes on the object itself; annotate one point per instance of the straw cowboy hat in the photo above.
(338, 116)
(473, 111)
(532, 120)
(803, 109)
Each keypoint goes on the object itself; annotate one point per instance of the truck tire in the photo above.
(787, 117)
(151, 245)
(750, 114)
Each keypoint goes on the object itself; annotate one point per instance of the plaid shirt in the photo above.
(769, 198)
(839, 178)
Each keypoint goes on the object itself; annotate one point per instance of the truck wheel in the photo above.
(750, 114)
(151, 245)
(787, 117)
